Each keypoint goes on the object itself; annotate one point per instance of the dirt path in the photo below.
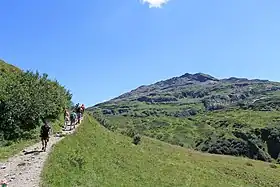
(24, 169)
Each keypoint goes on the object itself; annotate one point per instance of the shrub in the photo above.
(136, 139)
(249, 164)
(98, 115)
(130, 132)
(274, 166)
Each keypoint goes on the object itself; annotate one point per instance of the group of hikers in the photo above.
(70, 119)
(75, 117)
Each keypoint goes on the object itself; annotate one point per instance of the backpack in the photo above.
(45, 129)
(73, 115)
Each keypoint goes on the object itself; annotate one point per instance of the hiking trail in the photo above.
(24, 169)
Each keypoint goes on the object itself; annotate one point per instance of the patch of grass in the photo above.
(14, 148)
(94, 156)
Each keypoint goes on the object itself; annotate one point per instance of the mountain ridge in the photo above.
(232, 116)
(187, 79)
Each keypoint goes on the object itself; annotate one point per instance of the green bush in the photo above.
(25, 99)
(136, 139)
(98, 115)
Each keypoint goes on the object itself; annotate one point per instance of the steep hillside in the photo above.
(234, 116)
(7, 68)
(94, 156)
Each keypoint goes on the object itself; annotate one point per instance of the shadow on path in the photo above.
(30, 152)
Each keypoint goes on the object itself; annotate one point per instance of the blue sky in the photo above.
(101, 49)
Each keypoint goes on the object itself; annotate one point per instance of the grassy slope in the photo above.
(187, 130)
(16, 147)
(8, 68)
(94, 156)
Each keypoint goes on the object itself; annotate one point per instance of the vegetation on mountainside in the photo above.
(8, 68)
(232, 116)
(94, 156)
(25, 99)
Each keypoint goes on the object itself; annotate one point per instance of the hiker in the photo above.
(65, 112)
(83, 110)
(73, 118)
(45, 133)
(66, 118)
(78, 112)
(80, 109)
(76, 107)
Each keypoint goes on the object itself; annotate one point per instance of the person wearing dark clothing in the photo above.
(76, 107)
(82, 111)
(44, 134)
(79, 114)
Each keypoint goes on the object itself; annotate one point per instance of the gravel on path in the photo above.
(24, 169)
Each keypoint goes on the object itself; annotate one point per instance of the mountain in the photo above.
(200, 89)
(231, 116)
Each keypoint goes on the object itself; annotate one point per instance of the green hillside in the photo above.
(94, 156)
(233, 116)
(7, 68)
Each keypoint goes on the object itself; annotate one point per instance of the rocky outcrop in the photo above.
(156, 99)
(200, 77)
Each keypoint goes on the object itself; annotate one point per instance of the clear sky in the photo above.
(100, 49)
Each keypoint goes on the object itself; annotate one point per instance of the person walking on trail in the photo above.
(44, 134)
(76, 107)
(66, 118)
(73, 117)
(79, 113)
(66, 112)
(82, 112)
